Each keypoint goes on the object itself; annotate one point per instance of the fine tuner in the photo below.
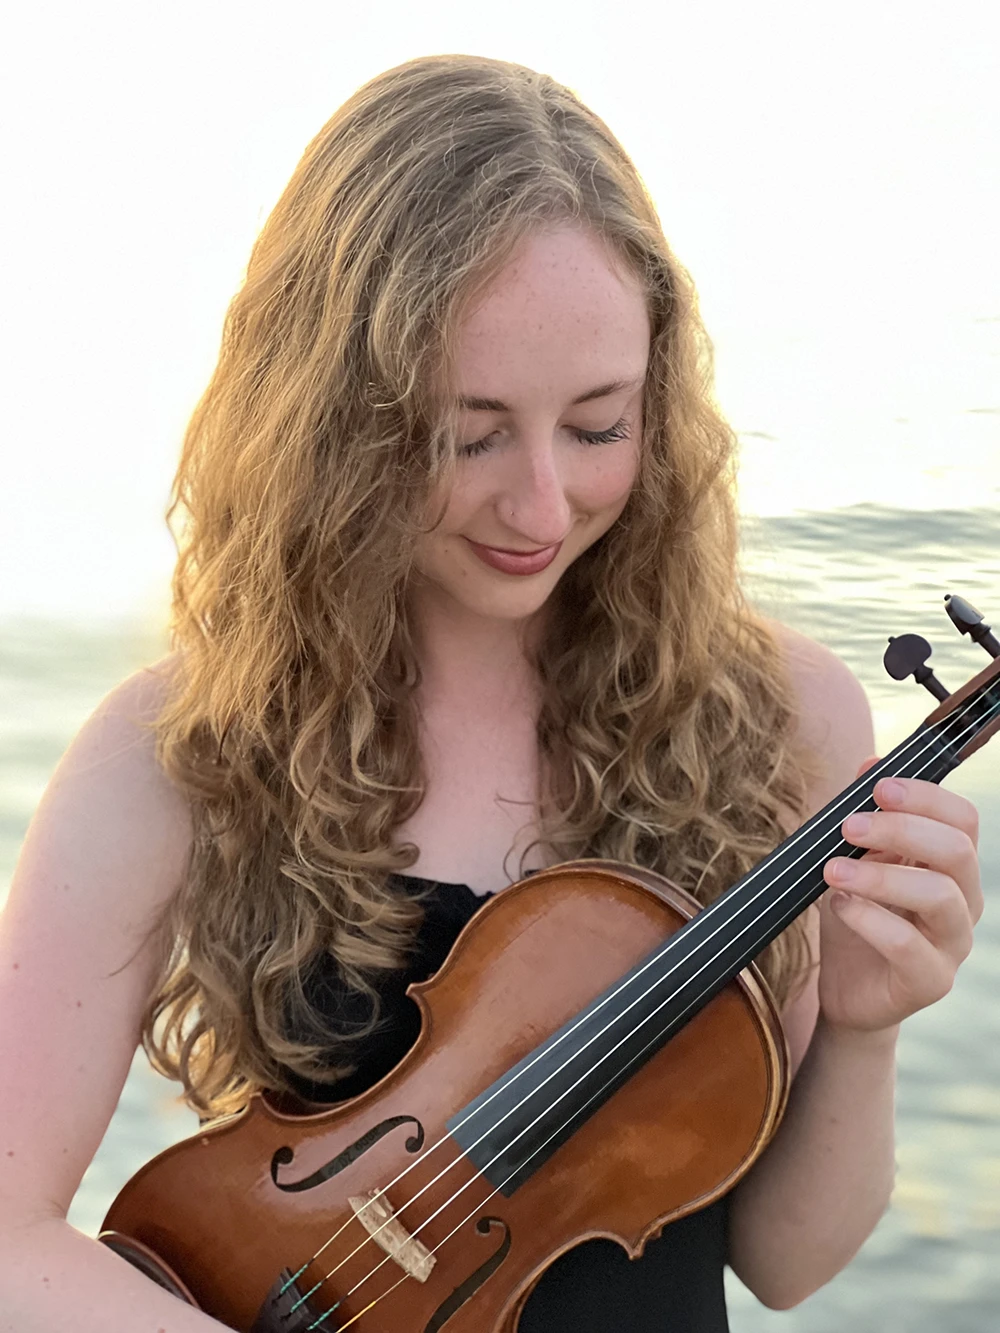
(907, 654)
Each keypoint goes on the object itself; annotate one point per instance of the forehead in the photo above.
(560, 317)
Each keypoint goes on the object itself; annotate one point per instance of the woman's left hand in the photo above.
(899, 922)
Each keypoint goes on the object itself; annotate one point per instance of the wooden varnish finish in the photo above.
(680, 1132)
(950, 705)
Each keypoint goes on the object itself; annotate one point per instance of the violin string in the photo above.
(860, 781)
(700, 944)
(994, 709)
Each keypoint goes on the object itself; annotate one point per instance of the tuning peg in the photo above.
(906, 656)
(965, 616)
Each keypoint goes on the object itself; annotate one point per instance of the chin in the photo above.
(506, 608)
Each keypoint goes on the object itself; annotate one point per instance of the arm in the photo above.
(819, 1189)
(105, 848)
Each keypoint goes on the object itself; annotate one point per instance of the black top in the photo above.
(676, 1286)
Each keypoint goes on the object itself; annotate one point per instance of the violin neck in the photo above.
(746, 918)
(516, 1124)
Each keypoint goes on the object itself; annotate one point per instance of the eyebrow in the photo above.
(474, 404)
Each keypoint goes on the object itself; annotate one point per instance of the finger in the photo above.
(935, 900)
(926, 798)
(922, 971)
(939, 846)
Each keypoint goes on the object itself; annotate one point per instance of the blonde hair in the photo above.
(667, 718)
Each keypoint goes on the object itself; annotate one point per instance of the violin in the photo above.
(599, 1056)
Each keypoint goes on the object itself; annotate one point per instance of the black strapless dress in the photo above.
(676, 1286)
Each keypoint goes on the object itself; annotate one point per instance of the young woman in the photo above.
(456, 600)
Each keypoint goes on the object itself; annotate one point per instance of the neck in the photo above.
(464, 657)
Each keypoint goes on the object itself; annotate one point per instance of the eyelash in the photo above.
(619, 431)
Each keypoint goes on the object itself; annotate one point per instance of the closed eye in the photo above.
(619, 431)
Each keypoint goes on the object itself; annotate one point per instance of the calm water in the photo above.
(849, 578)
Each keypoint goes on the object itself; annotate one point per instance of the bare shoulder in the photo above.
(835, 720)
(141, 695)
(116, 748)
(835, 729)
(110, 834)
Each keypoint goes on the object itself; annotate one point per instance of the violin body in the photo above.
(227, 1217)
(535, 1111)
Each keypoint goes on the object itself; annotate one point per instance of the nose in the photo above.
(532, 500)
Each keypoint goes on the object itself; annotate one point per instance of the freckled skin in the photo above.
(556, 322)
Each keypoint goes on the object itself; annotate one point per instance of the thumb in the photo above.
(866, 764)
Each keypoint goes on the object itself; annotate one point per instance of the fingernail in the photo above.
(857, 825)
(842, 870)
(893, 791)
(839, 900)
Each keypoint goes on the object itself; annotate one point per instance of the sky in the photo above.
(829, 174)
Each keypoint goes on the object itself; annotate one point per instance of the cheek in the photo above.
(433, 551)
(463, 502)
(610, 479)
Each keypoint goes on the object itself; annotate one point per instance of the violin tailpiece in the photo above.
(376, 1216)
(285, 1311)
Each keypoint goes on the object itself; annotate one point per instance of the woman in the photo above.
(461, 335)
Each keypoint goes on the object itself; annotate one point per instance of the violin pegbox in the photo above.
(907, 654)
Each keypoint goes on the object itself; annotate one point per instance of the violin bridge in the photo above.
(376, 1216)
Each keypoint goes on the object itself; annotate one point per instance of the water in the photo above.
(849, 578)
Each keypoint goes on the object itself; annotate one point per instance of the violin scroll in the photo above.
(968, 620)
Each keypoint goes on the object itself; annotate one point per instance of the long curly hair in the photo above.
(667, 717)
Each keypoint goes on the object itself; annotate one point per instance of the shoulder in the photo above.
(107, 844)
(834, 723)
(142, 694)
(116, 749)
(109, 797)
(835, 736)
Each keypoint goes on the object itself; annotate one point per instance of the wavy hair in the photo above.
(667, 719)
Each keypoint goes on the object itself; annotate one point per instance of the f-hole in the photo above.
(467, 1289)
(285, 1156)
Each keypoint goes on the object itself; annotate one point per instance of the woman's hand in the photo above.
(898, 924)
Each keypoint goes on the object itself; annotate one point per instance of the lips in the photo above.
(515, 562)
(506, 550)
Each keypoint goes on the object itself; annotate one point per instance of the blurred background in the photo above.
(830, 176)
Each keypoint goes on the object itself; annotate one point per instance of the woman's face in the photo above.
(556, 324)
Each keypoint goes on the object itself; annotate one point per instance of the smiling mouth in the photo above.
(507, 550)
